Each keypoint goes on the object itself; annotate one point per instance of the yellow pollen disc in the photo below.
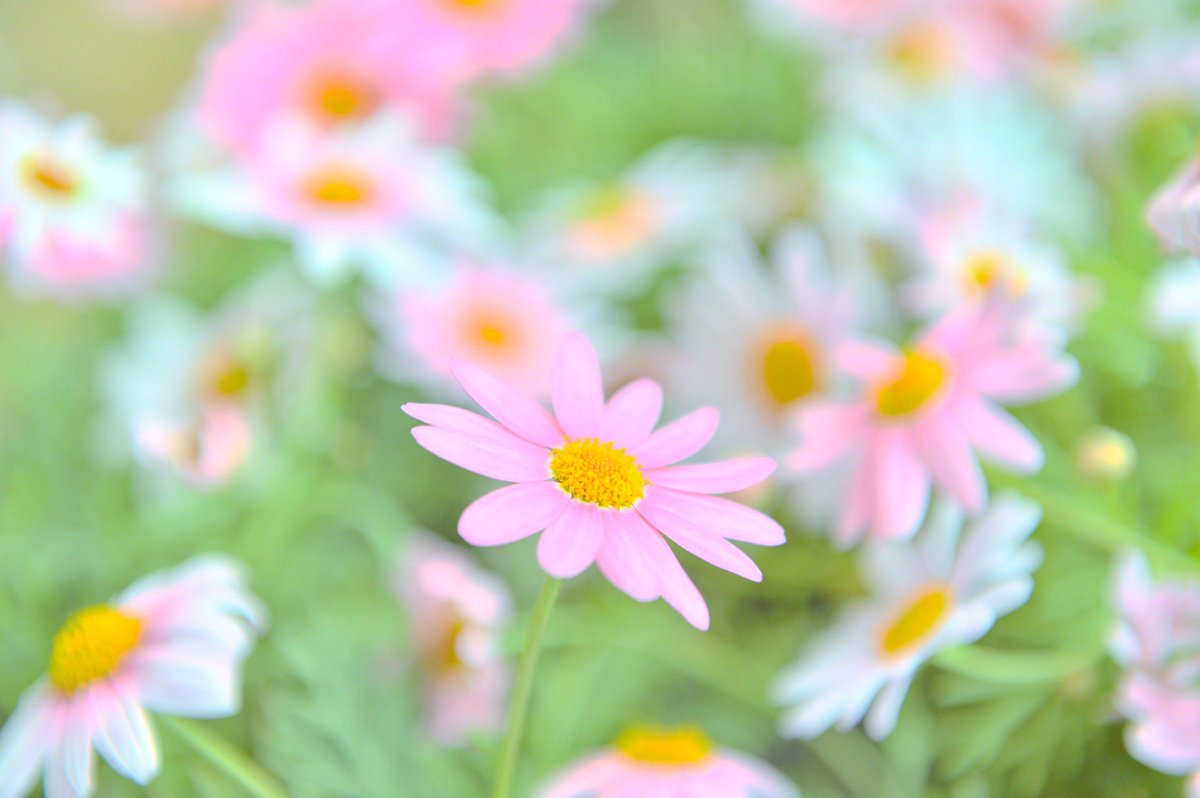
(90, 646)
(493, 334)
(614, 219)
(916, 622)
(471, 5)
(925, 51)
(49, 177)
(788, 370)
(596, 473)
(682, 746)
(917, 381)
(339, 186)
(341, 98)
(444, 657)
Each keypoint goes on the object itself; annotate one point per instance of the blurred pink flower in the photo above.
(173, 643)
(1156, 640)
(457, 614)
(598, 481)
(453, 41)
(204, 450)
(923, 412)
(680, 763)
(506, 323)
(1174, 212)
(329, 62)
(73, 211)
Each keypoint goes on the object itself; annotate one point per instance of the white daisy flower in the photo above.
(927, 595)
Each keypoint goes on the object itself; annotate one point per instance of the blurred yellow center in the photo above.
(614, 219)
(924, 50)
(916, 622)
(90, 646)
(989, 270)
(682, 746)
(229, 378)
(918, 380)
(339, 186)
(341, 98)
(445, 656)
(49, 177)
(493, 334)
(471, 5)
(597, 473)
(788, 370)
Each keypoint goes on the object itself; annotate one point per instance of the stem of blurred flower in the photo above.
(231, 760)
(519, 705)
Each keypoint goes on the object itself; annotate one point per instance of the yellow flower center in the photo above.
(916, 622)
(925, 51)
(682, 746)
(49, 177)
(342, 98)
(789, 369)
(471, 5)
(989, 270)
(444, 657)
(90, 646)
(339, 186)
(918, 380)
(614, 219)
(597, 473)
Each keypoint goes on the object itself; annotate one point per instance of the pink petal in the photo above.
(519, 461)
(724, 517)
(679, 439)
(860, 501)
(946, 452)
(512, 513)
(827, 432)
(901, 484)
(184, 682)
(725, 476)
(676, 588)
(504, 403)
(576, 388)
(455, 418)
(24, 741)
(700, 541)
(621, 559)
(631, 414)
(570, 544)
(1000, 436)
(865, 360)
(124, 738)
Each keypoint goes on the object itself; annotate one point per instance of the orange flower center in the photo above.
(989, 270)
(597, 473)
(49, 177)
(90, 646)
(917, 622)
(342, 98)
(339, 186)
(925, 51)
(918, 380)
(788, 369)
(614, 219)
(681, 746)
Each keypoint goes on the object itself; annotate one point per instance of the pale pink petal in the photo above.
(519, 413)
(1000, 436)
(123, 736)
(24, 742)
(827, 432)
(680, 439)
(570, 544)
(725, 476)
(724, 517)
(901, 484)
(1023, 374)
(517, 461)
(455, 418)
(946, 452)
(865, 360)
(186, 683)
(673, 582)
(698, 540)
(622, 560)
(859, 510)
(512, 513)
(78, 761)
(576, 388)
(631, 414)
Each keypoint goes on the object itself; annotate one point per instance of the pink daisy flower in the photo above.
(922, 413)
(504, 322)
(680, 763)
(204, 451)
(329, 62)
(597, 482)
(73, 211)
(172, 643)
(456, 40)
(1156, 640)
(457, 614)
(1174, 213)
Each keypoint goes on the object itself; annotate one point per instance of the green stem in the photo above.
(519, 705)
(228, 758)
